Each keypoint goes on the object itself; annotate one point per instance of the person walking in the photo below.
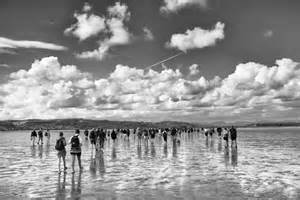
(60, 146)
(33, 137)
(233, 136)
(75, 151)
(40, 134)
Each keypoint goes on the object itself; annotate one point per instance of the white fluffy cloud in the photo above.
(6, 43)
(197, 38)
(111, 28)
(194, 69)
(50, 90)
(87, 25)
(175, 5)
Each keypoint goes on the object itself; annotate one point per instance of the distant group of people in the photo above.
(97, 138)
(226, 133)
(40, 134)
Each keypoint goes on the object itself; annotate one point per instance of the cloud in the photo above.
(148, 35)
(6, 44)
(176, 5)
(4, 65)
(194, 69)
(197, 38)
(111, 28)
(87, 25)
(51, 90)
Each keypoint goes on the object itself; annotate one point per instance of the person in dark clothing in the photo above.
(233, 136)
(40, 134)
(75, 150)
(113, 135)
(86, 133)
(33, 137)
(93, 138)
(219, 131)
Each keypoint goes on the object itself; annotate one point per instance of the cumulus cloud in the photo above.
(175, 5)
(197, 38)
(194, 69)
(87, 25)
(111, 28)
(6, 43)
(148, 35)
(51, 90)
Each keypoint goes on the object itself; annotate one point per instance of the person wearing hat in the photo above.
(76, 143)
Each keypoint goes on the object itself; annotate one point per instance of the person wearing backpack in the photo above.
(76, 143)
(225, 137)
(61, 150)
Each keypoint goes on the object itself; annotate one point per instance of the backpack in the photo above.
(75, 143)
(59, 146)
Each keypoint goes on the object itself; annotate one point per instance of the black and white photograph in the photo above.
(150, 99)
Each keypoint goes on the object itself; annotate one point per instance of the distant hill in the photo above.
(69, 124)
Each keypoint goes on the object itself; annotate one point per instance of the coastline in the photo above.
(71, 124)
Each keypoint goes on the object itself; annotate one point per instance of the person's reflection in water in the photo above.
(47, 148)
(33, 151)
(113, 152)
(166, 149)
(174, 148)
(153, 153)
(101, 164)
(234, 156)
(226, 156)
(219, 145)
(61, 186)
(139, 151)
(76, 190)
(93, 165)
(146, 149)
(40, 148)
(206, 143)
(212, 144)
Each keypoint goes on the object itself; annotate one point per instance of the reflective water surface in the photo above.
(266, 165)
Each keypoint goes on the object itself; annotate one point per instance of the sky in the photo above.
(150, 60)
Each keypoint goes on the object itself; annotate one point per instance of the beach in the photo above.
(266, 165)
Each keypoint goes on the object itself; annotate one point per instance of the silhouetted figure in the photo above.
(233, 136)
(33, 137)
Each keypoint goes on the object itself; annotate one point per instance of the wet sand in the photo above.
(266, 165)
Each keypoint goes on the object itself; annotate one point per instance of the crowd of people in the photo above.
(97, 138)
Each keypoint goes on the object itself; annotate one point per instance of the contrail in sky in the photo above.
(162, 61)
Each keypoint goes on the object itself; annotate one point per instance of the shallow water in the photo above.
(266, 165)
